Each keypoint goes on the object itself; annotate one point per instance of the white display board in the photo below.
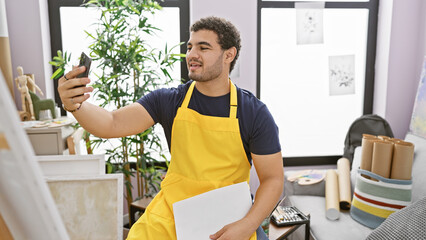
(26, 203)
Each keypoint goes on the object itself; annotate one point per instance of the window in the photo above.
(316, 72)
(68, 21)
(315, 1)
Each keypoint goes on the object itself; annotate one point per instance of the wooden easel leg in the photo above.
(4, 230)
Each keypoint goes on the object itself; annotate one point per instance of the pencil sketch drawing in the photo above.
(309, 26)
(342, 75)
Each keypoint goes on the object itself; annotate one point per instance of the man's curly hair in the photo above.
(227, 33)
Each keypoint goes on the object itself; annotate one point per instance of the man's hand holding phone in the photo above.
(72, 86)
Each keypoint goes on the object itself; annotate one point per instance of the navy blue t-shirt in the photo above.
(258, 130)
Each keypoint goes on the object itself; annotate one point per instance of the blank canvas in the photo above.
(26, 204)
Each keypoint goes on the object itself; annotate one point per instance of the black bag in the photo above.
(369, 124)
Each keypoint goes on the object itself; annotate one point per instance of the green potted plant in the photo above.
(130, 68)
(60, 62)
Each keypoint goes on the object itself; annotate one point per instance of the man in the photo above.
(213, 130)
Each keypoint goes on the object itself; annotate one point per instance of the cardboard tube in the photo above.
(364, 135)
(383, 137)
(367, 151)
(382, 158)
(402, 162)
(331, 195)
(396, 140)
(345, 194)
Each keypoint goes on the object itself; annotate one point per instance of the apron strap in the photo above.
(188, 95)
(233, 99)
(233, 102)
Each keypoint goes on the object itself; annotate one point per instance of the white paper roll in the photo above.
(331, 195)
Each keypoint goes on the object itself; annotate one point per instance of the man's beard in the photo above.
(210, 73)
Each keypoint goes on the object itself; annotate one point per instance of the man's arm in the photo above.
(128, 120)
(269, 169)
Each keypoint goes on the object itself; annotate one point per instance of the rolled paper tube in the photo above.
(402, 162)
(367, 153)
(345, 195)
(383, 137)
(382, 158)
(396, 140)
(364, 135)
(331, 195)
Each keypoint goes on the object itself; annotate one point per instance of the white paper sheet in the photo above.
(309, 23)
(198, 217)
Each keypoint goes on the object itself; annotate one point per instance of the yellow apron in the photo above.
(206, 153)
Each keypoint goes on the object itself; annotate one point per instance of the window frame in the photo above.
(373, 7)
(56, 36)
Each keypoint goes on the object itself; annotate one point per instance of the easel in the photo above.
(4, 230)
(23, 207)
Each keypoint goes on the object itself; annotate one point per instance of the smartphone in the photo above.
(84, 61)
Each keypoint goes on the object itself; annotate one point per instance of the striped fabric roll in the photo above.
(374, 201)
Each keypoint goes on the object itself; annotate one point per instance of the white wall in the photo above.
(30, 42)
(398, 70)
(382, 57)
(400, 50)
(242, 13)
(423, 26)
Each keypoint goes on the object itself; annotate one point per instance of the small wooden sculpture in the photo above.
(21, 84)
